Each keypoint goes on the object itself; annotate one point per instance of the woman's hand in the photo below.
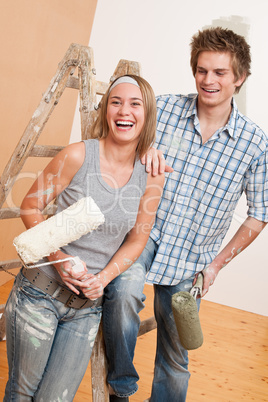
(66, 270)
(92, 286)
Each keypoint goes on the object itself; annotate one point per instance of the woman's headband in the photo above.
(124, 80)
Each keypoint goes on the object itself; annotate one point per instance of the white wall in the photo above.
(157, 33)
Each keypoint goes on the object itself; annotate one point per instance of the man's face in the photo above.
(214, 78)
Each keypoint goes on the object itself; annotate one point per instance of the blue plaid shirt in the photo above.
(201, 194)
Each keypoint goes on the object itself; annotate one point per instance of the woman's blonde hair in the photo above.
(100, 127)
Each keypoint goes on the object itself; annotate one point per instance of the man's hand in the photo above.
(209, 273)
(155, 162)
(244, 236)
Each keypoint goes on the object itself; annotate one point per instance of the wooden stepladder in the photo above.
(78, 58)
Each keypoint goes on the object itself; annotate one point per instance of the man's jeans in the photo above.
(123, 300)
(48, 345)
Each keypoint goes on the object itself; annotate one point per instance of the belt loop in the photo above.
(57, 292)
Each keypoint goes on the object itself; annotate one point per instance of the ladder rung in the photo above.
(147, 325)
(73, 82)
(45, 150)
(9, 264)
(10, 213)
(101, 87)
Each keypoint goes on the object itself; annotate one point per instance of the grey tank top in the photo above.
(119, 206)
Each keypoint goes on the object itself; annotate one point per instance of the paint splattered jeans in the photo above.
(123, 300)
(48, 345)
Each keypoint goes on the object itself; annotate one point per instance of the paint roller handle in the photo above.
(77, 265)
(76, 268)
(199, 281)
(198, 286)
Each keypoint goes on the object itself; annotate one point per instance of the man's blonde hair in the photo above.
(223, 40)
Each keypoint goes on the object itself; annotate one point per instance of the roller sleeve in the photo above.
(187, 321)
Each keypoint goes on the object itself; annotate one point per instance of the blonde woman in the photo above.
(49, 343)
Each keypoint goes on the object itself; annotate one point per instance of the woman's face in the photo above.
(125, 113)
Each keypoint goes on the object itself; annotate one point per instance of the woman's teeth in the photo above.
(124, 123)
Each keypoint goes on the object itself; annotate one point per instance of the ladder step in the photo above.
(147, 325)
(10, 213)
(47, 151)
(101, 87)
(9, 264)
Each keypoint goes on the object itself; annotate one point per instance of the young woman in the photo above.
(49, 343)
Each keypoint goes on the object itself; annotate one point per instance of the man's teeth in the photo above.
(124, 123)
(211, 90)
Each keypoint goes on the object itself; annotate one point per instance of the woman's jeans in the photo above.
(123, 300)
(48, 345)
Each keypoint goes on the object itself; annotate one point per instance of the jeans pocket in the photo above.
(29, 292)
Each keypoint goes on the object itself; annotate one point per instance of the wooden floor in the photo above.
(231, 365)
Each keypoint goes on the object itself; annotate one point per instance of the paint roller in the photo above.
(186, 316)
(49, 236)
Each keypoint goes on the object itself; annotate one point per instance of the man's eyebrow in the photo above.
(215, 69)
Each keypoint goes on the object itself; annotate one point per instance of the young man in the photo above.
(217, 154)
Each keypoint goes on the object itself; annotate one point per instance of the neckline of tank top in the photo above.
(100, 176)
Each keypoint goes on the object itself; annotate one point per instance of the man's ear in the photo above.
(240, 81)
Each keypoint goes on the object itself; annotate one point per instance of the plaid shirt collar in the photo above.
(229, 127)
